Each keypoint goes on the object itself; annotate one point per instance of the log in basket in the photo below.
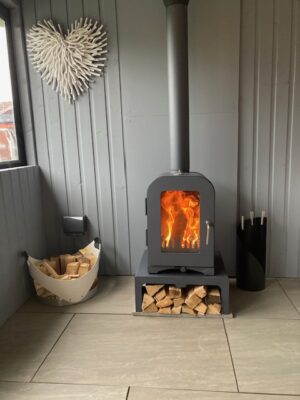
(68, 291)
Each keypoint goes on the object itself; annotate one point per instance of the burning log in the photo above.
(186, 211)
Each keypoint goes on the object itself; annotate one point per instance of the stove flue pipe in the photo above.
(177, 48)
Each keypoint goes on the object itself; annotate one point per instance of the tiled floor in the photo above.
(98, 350)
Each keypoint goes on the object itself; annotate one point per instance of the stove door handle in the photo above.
(208, 226)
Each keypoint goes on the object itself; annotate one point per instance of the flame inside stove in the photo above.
(180, 220)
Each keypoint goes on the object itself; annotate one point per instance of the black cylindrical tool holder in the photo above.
(251, 255)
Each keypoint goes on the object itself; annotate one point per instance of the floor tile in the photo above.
(168, 394)
(115, 296)
(292, 289)
(266, 354)
(25, 340)
(140, 351)
(271, 302)
(45, 391)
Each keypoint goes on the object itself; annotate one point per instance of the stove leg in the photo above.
(138, 294)
(225, 301)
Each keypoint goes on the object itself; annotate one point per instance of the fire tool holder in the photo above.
(251, 254)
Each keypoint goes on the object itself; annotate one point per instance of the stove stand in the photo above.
(181, 280)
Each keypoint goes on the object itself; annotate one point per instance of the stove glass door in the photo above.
(180, 221)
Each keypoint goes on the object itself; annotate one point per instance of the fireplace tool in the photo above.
(251, 252)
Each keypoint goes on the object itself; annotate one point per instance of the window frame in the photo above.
(5, 15)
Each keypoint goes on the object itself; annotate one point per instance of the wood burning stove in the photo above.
(180, 205)
(180, 223)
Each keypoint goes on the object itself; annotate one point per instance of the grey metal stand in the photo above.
(179, 279)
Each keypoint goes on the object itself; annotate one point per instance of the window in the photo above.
(11, 143)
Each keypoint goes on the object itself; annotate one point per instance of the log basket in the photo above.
(68, 292)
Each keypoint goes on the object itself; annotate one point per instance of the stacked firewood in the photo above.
(64, 267)
(194, 300)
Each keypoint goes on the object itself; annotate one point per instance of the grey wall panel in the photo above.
(21, 229)
(222, 130)
(55, 144)
(269, 141)
(145, 106)
(293, 151)
(72, 204)
(280, 118)
(116, 141)
(214, 78)
(41, 139)
(102, 159)
(213, 55)
(12, 248)
(7, 303)
(85, 143)
(69, 131)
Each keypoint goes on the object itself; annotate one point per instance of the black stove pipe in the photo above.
(177, 47)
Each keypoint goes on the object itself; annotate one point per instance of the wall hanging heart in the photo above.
(68, 62)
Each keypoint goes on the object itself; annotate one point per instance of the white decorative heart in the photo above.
(68, 62)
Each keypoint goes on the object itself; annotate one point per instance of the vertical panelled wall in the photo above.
(269, 145)
(99, 155)
(80, 146)
(21, 229)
